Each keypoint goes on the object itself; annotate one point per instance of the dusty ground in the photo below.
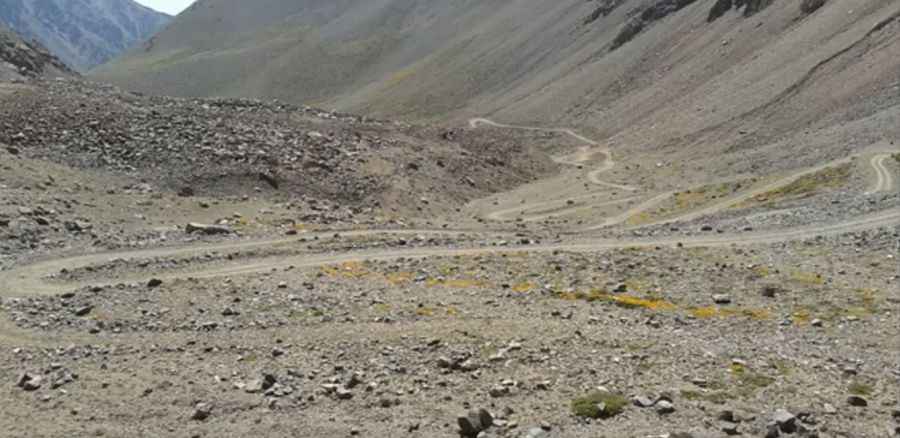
(757, 304)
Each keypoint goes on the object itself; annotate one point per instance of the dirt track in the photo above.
(31, 279)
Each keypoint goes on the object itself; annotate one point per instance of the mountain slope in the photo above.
(756, 84)
(426, 57)
(20, 59)
(83, 33)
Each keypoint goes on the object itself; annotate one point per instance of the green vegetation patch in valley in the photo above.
(599, 404)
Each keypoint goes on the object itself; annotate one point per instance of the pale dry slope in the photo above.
(776, 91)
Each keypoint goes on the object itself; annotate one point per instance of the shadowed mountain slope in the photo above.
(83, 33)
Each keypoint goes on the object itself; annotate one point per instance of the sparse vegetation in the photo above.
(599, 404)
(807, 185)
(808, 278)
(860, 388)
(626, 301)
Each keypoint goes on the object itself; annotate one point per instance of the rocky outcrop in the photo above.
(656, 11)
(20, 59)
(750, 7)
(604, 8)
(810, 6)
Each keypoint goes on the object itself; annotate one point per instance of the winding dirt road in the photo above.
(30, 280)
(33, 279)
(556, 205)
(884, 181)
(553, 207)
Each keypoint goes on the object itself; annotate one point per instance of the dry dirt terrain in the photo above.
(605, 218)
(153, 287)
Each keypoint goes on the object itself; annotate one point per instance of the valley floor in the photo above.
(755, 304)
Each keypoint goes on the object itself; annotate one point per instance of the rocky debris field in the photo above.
(777, 341)
(20, 59)
(245, 147)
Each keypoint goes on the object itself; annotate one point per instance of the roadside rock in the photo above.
(192, 228)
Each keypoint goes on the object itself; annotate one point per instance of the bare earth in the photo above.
(732, 306)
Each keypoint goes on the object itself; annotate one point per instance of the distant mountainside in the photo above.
(83, 33)
(20, 59)
(613, 65)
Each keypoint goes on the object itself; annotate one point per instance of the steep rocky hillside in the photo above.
(83, 33)
(20, 59)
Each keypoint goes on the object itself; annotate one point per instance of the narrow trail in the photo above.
(31, 280)
(553, 208)
(884, 179)
(559, 205)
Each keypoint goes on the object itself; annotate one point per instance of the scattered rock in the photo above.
(858, 401)
(30, 382)
(202, 411)
(192, 228)
(785, 421)
(722, 299)
(644, 402)
(83, 311)
(475, 422)
(664, 407)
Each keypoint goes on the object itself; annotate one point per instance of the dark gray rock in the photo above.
(475, 422)
(201, 412)
(30, 382)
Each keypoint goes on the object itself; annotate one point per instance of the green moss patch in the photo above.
(599, 404)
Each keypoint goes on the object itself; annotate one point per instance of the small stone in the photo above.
(664, 407)
(155, 282)
(855, 400)
(722, 299)
(499, 391)
(786, 421)
(730, 428)
(30, 382)
(206, 229)
(83, 311)
(535, 432)
(644, 402)
(201, 412)
(829, 409)
(475, 422)
(262, 384)
(343, 393)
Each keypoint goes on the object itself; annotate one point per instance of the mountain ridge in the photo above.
(20, 59)
(83, 33)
